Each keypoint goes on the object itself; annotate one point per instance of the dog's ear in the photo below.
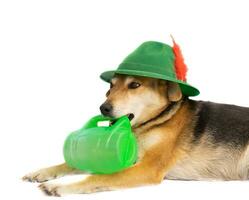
(174, 91)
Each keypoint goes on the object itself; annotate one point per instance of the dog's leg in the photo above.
(49, 173)
(138, 175)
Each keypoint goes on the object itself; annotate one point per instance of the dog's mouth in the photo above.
(130, 116)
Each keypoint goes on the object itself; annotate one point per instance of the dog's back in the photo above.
(226, 124)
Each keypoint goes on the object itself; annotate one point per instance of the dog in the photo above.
(178, 138)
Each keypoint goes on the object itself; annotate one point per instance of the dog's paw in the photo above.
(52, 189)
(39, 176)
(62, 190)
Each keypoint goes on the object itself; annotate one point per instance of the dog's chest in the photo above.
(147, 141)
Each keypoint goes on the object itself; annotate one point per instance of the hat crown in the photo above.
(151, 56)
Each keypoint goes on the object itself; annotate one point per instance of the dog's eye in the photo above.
(133, 85)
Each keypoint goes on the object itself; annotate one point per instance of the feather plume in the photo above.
(180, 66)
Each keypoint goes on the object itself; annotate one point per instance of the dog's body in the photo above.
(177, 138)
(217, 146)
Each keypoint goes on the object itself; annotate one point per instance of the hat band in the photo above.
(146, 68)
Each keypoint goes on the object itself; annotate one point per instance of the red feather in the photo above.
(180, 66)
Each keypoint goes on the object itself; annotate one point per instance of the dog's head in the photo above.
(140, 98)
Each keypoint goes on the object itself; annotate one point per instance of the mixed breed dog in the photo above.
(178, 138)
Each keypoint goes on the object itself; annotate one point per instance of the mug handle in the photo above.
(93, 122)
(122, 121)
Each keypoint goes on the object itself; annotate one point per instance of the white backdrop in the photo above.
(51, 55)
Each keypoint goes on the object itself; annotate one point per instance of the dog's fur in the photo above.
(178, 138)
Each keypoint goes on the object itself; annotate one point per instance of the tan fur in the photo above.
(165, 147)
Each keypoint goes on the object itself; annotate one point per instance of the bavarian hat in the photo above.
(156, 60)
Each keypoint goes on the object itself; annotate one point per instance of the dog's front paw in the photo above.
(39, 176)
(54, 189)
(50, 189)
(62, 190)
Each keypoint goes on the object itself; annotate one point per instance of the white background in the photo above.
(51, 55)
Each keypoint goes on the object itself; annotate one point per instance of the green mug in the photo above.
(101, 149)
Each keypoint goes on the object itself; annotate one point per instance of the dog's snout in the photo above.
(106, 109)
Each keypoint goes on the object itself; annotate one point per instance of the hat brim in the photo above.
(187, 89)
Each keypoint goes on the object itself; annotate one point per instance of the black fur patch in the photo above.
(202, 120)
(228, 124)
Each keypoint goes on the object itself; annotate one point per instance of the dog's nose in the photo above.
(106, 109)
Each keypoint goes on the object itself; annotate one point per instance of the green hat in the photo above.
(155, 60)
